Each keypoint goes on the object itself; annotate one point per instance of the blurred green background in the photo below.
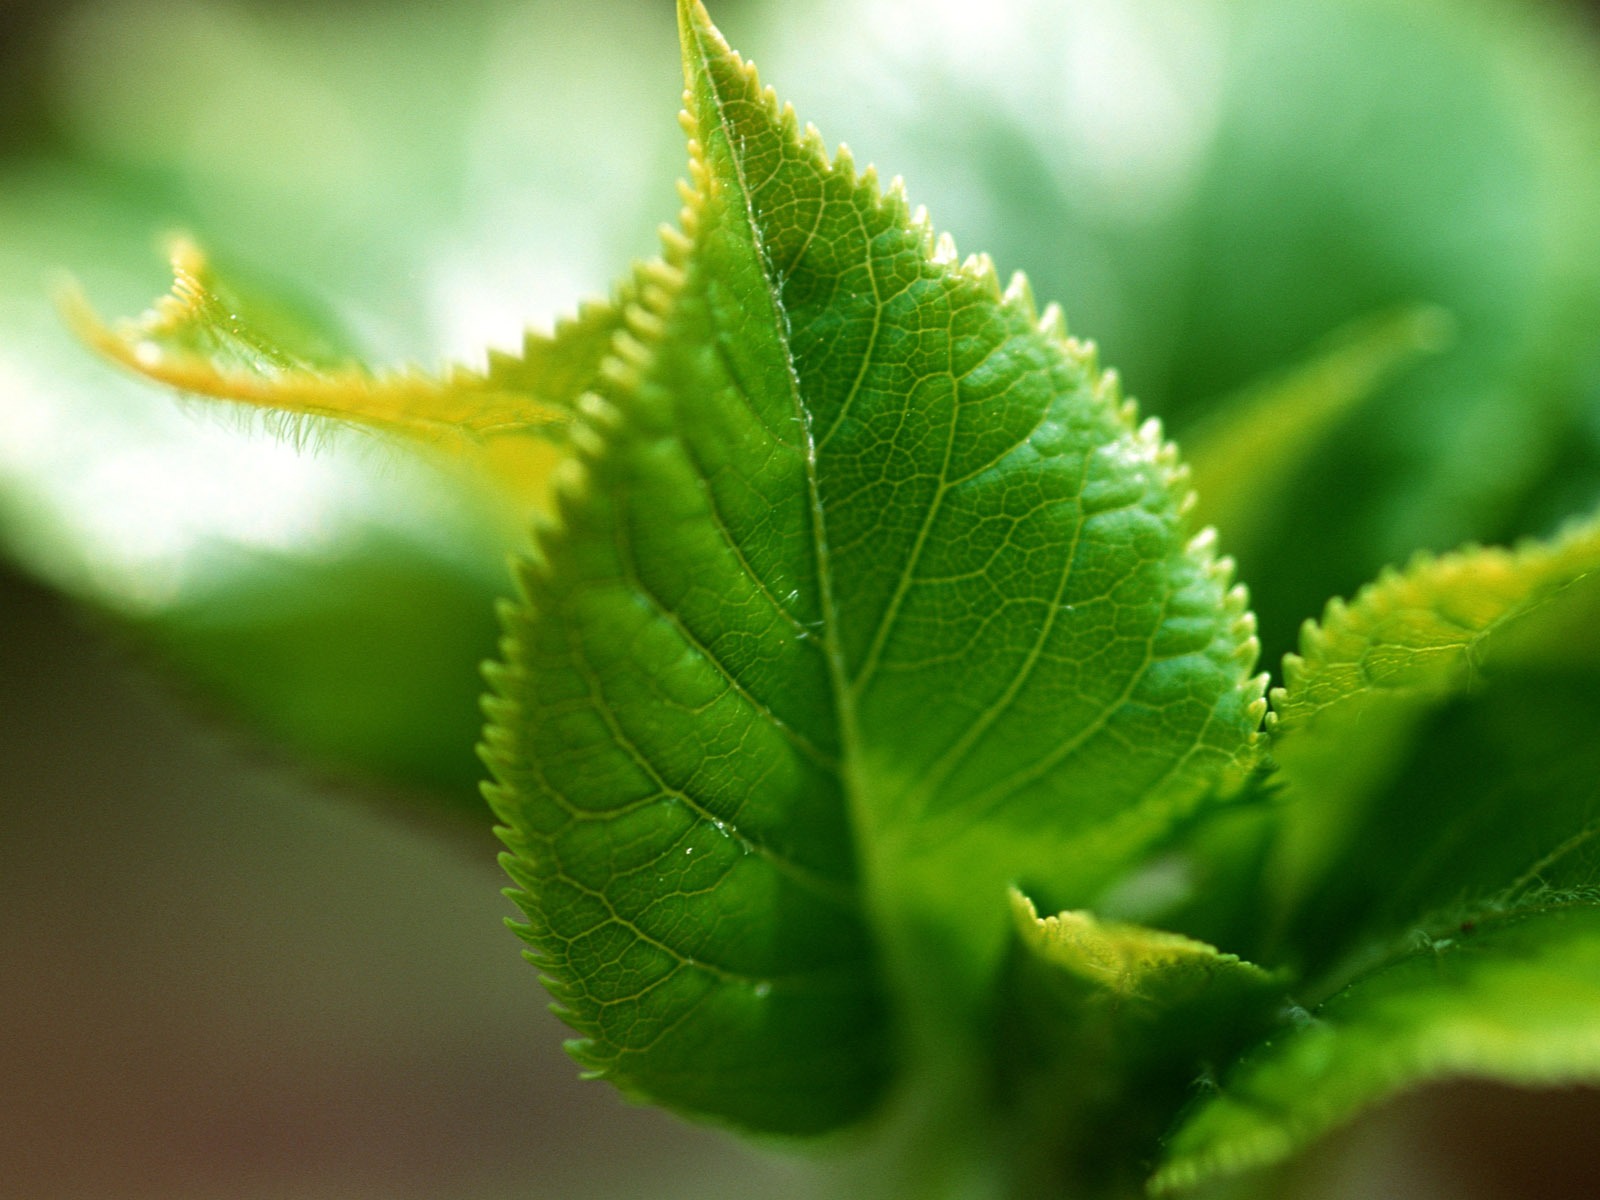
(250, 941)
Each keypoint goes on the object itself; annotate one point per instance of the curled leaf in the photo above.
(205, 339)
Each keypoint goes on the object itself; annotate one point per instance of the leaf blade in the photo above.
(1418, 630)
(207, 339)
(1513, 1002)
(855, 510)
(1247, 454)
(1384, 695)
(1104, 1028)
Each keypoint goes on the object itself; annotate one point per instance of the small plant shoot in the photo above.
(879, 741)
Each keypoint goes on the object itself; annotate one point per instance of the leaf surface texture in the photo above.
(866, 594)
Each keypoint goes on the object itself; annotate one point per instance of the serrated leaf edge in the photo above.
(1427, 574)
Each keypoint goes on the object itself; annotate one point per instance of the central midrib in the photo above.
(843, 702)
(930, 1022)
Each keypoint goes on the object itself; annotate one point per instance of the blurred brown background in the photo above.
(220, 982)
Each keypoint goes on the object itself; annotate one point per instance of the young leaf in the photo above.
(1492, 807)
(1117, 965)
(206, 339)
(358, 650)
(867, 596)
(1353, 699)
(1512, 999)
(1424, 630)
(1104, 1028)
(1426, 818)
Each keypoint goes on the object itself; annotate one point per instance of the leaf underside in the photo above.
(866, 594)
(1439, 870)
(1512, 1000)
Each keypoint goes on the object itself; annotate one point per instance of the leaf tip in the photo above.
(695, 26)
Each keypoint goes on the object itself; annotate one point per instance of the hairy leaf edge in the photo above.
(403, 398)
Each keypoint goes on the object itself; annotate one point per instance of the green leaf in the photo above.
(868, 595)
(1354, 706)
(1512, 999)
(1279, 172)
(241, 523)
(1104, 1028)
(1423, 631)
(338, 602)
(1144, 975)
(1438, 768)
(209, 339)
(300, 649)
(1492, 806)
